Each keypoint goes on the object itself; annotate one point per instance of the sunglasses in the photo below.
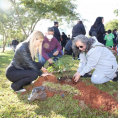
(79, 47)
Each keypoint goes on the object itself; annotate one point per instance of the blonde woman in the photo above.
(23, 69)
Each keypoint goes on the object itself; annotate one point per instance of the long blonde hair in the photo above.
(32, 39)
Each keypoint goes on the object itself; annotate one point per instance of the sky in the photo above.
(89, 10)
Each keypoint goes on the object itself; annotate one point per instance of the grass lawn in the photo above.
(14, 105)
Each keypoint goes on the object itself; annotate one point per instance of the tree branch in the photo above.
(19, 18)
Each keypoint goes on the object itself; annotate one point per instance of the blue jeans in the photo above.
(42, 60)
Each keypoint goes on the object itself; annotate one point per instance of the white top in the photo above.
(98, 58)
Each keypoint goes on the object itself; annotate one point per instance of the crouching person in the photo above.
(50, 48)
(94, 55)
(23, 69)
(68, 48)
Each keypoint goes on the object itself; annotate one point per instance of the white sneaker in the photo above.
(32, 82)
(21, 90)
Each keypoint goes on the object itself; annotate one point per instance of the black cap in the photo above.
(50, 29)
(55, 23)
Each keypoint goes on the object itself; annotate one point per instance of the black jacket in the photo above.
(22, 58)
(14, 42)
(64, 38)
(100, 31)
(78, 29)
(57, 33)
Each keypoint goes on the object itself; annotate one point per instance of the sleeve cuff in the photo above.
(82, 73)
(78, 70)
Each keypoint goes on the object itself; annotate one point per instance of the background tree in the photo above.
(116, 12)
(9, 28)
(23, 15)
(112, 25)
(5, 23)
(29, 12)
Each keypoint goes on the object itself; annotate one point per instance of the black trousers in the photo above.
(20, 77)
(68, 52)
(63, 45)
(74, 55)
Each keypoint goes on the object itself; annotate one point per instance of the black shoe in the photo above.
(21, 90)
(16, 88)
(115, 78)
(87, 75)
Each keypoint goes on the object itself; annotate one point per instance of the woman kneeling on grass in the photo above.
(94, 55)
(23, 69)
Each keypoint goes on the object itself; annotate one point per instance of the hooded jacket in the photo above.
(98, 58)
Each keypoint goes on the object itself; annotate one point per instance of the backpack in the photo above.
(94, 31)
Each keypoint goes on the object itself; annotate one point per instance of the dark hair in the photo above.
(109, 31)
(51, 29)
(63, 33)
(114, 30)
(97, 22)
(55, 22)
(106, 31)
(80, 22)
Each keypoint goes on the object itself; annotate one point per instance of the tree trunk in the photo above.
(3, 48)
(4, 42)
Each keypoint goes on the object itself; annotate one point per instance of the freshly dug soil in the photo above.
(96, 98)
(90, 94)
(39, 82)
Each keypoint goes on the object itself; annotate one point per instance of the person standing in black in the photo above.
(56, 31)
(77, 30)
(14, 44)
(64, 40)
(99, 28)
(115, 35)
(68, 38)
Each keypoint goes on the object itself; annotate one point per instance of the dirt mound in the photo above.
(49, 78)
(96, 98)
(39, 82)
(90, 94)
(50, 94)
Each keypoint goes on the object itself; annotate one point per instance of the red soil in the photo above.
(90, 94)
(96, 98)
(40, 81)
